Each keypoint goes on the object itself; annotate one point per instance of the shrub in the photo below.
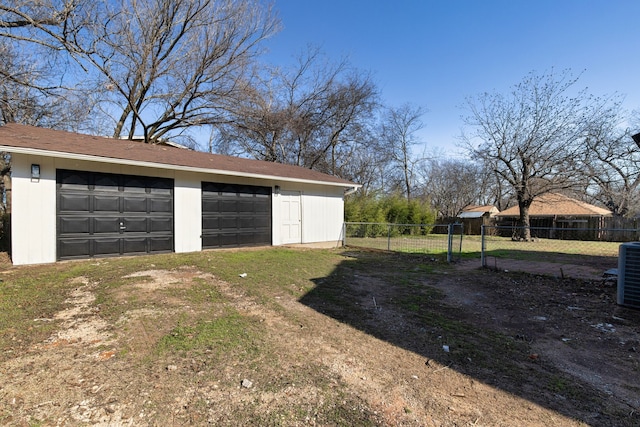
(393, 209)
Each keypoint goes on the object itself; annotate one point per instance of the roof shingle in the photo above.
(22, 138)
(554, 204)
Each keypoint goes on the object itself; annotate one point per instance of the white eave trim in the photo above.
(113, 160)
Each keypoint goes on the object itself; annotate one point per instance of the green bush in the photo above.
(393, 209)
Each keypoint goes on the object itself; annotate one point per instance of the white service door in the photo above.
(291, 223)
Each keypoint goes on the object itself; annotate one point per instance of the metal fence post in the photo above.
(389, 237)
(461, 225)
(449, 242)
(344, 234)
(483, 261)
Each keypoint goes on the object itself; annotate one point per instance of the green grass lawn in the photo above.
(316, 331)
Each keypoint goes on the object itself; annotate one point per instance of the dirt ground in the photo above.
(458, 346)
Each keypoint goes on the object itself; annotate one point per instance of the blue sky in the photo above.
(436, 53)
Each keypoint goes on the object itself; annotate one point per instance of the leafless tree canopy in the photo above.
(611, 165)
(532, 137)
(159, 66)
(317, 115)
(453, 184)
(398, 137)
(173, 69)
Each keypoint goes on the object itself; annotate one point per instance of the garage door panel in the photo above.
(263, 235)
(246, 206)
(210, 187)
(227, 222)
(262, 222)
(73, 248)
(73, 225)
(160, 224)
(235, 215)
(74, 202)
(221, 240)
(161, 244)
(134, 245)
(107, 246)
(103, 214)
(228, 239)
(245, 238)
(134, 184)
(210, 206)
(105, 182)
(230, 190)
(135, 204)
(249, 222)
(135, 225)
(161, 205)
(103, 203)
(160, 186)
(106, 225)
(209, 241)
(71, 180)
(209, 223)
(228, 206)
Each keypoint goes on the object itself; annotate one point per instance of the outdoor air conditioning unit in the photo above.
(629, 274)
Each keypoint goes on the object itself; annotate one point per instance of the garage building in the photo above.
(78, 196)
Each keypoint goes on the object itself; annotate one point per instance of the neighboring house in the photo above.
(557, 212)
(80, 196)
(474, 217)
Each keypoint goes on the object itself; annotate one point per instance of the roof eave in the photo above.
(114, 160)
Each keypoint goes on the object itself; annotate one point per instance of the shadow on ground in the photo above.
(554, 264)
(488, 324)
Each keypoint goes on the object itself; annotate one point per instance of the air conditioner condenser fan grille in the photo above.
(629, 275)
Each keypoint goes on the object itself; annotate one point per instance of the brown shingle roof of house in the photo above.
(36, 140)
(553, 204)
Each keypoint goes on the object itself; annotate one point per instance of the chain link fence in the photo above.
(597, 247)
(436, 239)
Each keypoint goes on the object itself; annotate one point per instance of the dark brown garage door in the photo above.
(102, 214)
(235, 215)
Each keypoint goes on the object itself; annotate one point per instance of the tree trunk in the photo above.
(524, 232)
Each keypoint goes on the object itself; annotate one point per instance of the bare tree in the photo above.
(27, 96)
(611, 166)
(451, 185)
(159, 66)
(316, 114)
(532, 137)
(398, 136)
(47, 23)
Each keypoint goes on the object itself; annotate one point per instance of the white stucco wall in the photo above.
(187, 208)
(33, 219)
(323, 215)
(33, 211)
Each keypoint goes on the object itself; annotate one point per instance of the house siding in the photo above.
(325, 209)
(187, 212)
(33, 211)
